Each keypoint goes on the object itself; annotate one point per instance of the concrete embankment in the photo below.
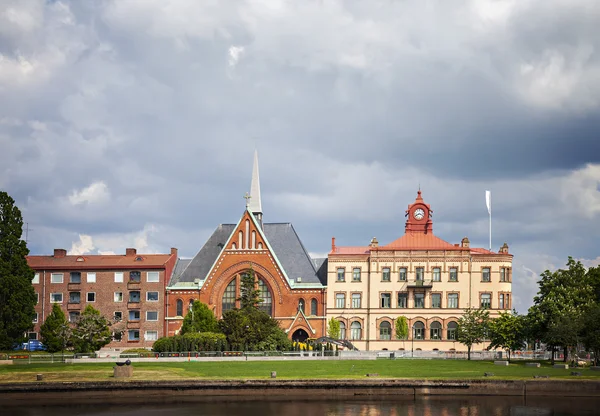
(306, 389)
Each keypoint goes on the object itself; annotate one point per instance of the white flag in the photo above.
(488, 201)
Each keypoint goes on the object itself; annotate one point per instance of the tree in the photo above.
(253, 329)
(17, 296)
(401, 324)
(558, 309)
(55, 331)
(333, 328)
(92, 331)
(199, 319)
(591, 336)
(472, 328)
(506, 332)
(249, 294)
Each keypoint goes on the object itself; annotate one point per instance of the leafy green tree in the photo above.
(333, 328)
(249, 293)
(559, 307)
(17, 296)
(55, 331)
(591, 335)
(199, 319)
(253, 329)
(92, 331)
(401, 324)
(472, 328)
(506, 332)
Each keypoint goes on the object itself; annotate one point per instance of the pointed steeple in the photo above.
(255, 205)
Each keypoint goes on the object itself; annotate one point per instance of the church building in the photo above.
(419, 276)
(292, 285)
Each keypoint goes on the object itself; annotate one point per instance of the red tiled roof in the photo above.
(350, 250)
(414, 241)
(149, 261)
(476, 250)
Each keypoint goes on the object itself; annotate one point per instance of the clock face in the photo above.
(419, 214)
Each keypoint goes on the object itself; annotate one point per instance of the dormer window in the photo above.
(80, 259)
(139, 258)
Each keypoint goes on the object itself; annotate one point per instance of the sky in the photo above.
(130, 123)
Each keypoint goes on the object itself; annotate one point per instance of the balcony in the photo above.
(73, 306)
(134, 284)
(133, 324)
(425, 284)
(74, 285)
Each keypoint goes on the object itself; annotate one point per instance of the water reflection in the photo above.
(224, 406)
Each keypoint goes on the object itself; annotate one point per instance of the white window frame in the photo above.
(36, 279)
(37, 298)
(436, 274)
(115, 298)
(356, 300)
(452, 296)
(53, 275)
(91, 277)
(56, 293)
(386, 271)
(152, 320)
(119, 277)
(402, 274)
(341, 274)
(148, 338)
(488, 271)
(340, 297)
(133, 319)
(157, 296)
(153, 280)
(35, 320)
(440, 303)
(87, 297)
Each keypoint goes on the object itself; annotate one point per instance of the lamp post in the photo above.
(412, 343)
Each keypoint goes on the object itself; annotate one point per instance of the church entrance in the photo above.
(300, 335)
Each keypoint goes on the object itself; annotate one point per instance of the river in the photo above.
(222, 406)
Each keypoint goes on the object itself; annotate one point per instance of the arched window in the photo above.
(266, 297)
(313, 307)
(301, 305)
(228, 301)
(419, 330)
(452, 326)
(355, 330)
(385, 330)
(342, 330)
(435, 330)
(179, 308)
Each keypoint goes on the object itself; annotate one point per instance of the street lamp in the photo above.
(412, 343)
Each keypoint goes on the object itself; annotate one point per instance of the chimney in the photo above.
(173, 251)
(60, 252)
(332, 243)
(129, 252)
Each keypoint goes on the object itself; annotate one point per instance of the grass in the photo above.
(408, 369)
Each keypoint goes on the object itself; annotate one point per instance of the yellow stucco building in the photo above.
(419, 276)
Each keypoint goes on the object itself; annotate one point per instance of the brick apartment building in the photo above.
(129, 289)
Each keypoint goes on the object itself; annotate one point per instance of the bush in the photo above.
(203, 341)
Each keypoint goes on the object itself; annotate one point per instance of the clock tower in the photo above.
(418, 217)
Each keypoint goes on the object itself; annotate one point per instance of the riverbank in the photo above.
(48, 392)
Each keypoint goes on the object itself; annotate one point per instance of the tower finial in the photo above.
(255, 205)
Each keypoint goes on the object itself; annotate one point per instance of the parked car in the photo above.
(33, 345)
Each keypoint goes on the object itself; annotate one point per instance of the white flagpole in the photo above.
(488, 202)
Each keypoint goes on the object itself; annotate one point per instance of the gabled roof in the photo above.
(282, 238)
(99, 261)
(416, 241)
(200, 265)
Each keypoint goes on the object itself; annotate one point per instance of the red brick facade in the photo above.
(240, 254)
(132, 285)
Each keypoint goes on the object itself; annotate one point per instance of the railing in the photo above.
(420, 283)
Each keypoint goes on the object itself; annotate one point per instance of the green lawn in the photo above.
(415, 369)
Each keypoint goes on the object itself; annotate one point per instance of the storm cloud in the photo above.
(133, 123)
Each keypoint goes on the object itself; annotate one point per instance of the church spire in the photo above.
(255, 205)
